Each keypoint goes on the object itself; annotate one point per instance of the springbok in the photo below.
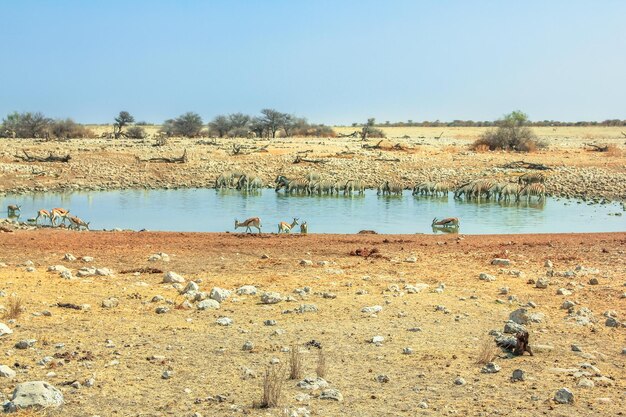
(304, 228)
(251, 222)
(447, 222)
(43, 213)
(77, 223)
(285, 227)
(58, 213)
(12, 208)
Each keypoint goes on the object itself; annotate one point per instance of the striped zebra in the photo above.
(496, 189)
(322, 187)
(532, 178)
(223, 180)
(536, 189)
(481, 187)
(390, 188)
(510, 190)
(249, 182)
(463, 190)
(443, 187)
(354, 186)
(424, 188)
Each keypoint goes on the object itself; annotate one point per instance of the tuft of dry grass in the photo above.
(321, 368)
(15, 307)
(613, 150)
(273, 381)
(296, 360)
(481, 148)
(487, 352)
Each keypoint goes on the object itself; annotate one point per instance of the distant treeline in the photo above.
(472, 123)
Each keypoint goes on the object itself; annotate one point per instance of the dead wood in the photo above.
(49, 158)
(311, 161)
(349, 135)
(517, 346)
(180, 160)
(69, 305)
(440, 135)
(527, 165)
(377, 146)
(597, 148)
(144, 270)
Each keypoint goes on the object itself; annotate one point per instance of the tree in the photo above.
(26, 125)
(122, 120)
(219, 126)
(188, 124)
(273, 120)
(367, 128)
(239, 125)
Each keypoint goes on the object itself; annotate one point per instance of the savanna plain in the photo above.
(348, 325)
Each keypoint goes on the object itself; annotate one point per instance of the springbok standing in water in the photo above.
(251, 222)
(447, 222)
(285, 227)
(12, 209)
(43, 213)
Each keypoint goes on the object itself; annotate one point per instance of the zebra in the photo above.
(322, 187)
(351, 186)
(424, 188)
(496, 189)
(442, 187)
(248, 182)
(534, 189)
(481, 187)
(390, 188)
(532, 178)
(464, 189)
(224, 180)
(510, 189)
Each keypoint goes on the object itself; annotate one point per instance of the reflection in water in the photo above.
(211, 210)
(445, 230)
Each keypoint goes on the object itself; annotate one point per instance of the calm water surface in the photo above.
(208, 210)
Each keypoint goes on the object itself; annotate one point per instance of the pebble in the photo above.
(491, 368)
(331, 394)
(247, 290)
(311, 383)
(500, 261)
(563, 291)
(486, 277)
(37, 394)
(372, 310)
(377, 340)
(542, 283)
(167, 374)
(4, 330)
(407, 351)
(110, 302)
(208, 305)
(162, 310)
(564, 396)
(172, 277)
(270, 298)
(306, 262)
(247, 346)
(25, 344)
(219, 294)
(459, 381)
(6, 372)
(224, 321)
(518, 375)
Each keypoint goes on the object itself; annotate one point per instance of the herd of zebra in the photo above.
(525, 186)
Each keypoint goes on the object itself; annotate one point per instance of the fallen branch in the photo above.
(311, 161)
(439, 137)
(377, 146)
(69, 305)
(145, 270)
(598, 148)
(388, 159)
(49, 158)
(527, 165)
(181, 160)
(350, 135)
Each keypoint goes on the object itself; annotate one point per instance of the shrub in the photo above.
(14, 308)
(487, 352)
(26, 125)
(136, 132)
(272, 387)
(68, 129)
(512, 134)
(295, 363)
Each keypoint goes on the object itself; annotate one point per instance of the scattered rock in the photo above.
(270, 322)
(172, 277)
(512, 327)
(542, 283)
(500, 261)
(6, 372)
(576, 348)
(38, 394)
(307, 308)
(162, 310)
(411, 259)
(110, 302)
(491, 368)
(548, 264)
(306, 262)
(219, 294)
(310, 383)
(247, 290)
(4, 330)
(190, 288)
(270, 298)
(167, 374)
(247, 346)
(224, 321)
(594, 281)
(564, 396)
(563, 291)
(585, 383)
(612, 322)
(208, 305)
(567, 305)
(459, 381)
(486, 277)
(69, 257)
(377, 340)
(25, 344)
(407, 351)
(518, 375)
(331, 394)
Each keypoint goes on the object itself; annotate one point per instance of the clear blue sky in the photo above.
(331, 61)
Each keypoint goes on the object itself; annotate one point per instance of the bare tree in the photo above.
(219, 126)
(273, 120)
(367, 128)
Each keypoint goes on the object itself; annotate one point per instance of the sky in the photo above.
(334, 62)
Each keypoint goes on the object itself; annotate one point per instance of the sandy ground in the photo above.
(114, 345)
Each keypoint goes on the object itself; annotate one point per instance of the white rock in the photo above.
(6, 372)
(173, 277)
(208, 305)
(331, 394)
(87, 259)
(57, 268)
(564, 396)
(224, 321)
(219, 294)
(69, 257)
(270, 298)
(372, 309)
(311, 383)
(486, 277)
(191, 288)
(36, 394)
(104, 272)
(247, 290)
(4, 329)
(500, 261)
(377, 340)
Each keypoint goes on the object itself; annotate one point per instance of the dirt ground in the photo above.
(127, 348)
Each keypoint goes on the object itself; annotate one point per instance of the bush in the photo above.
(69, 129)
(136, 132)
(188, 125)
(26, 125)
(512, 134)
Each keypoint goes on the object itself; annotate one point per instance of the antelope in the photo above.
(60, 213)
(12, 208)
(251, 222)
(304, 228)
(286, 227)
(447, 222)
(43, 213)
(77, 223)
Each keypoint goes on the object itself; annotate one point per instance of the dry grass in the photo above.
(321, 368)
(481, 148)
(296, 360)
(15, 307)
(613, 151)
(273, 381)
(487, 351)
